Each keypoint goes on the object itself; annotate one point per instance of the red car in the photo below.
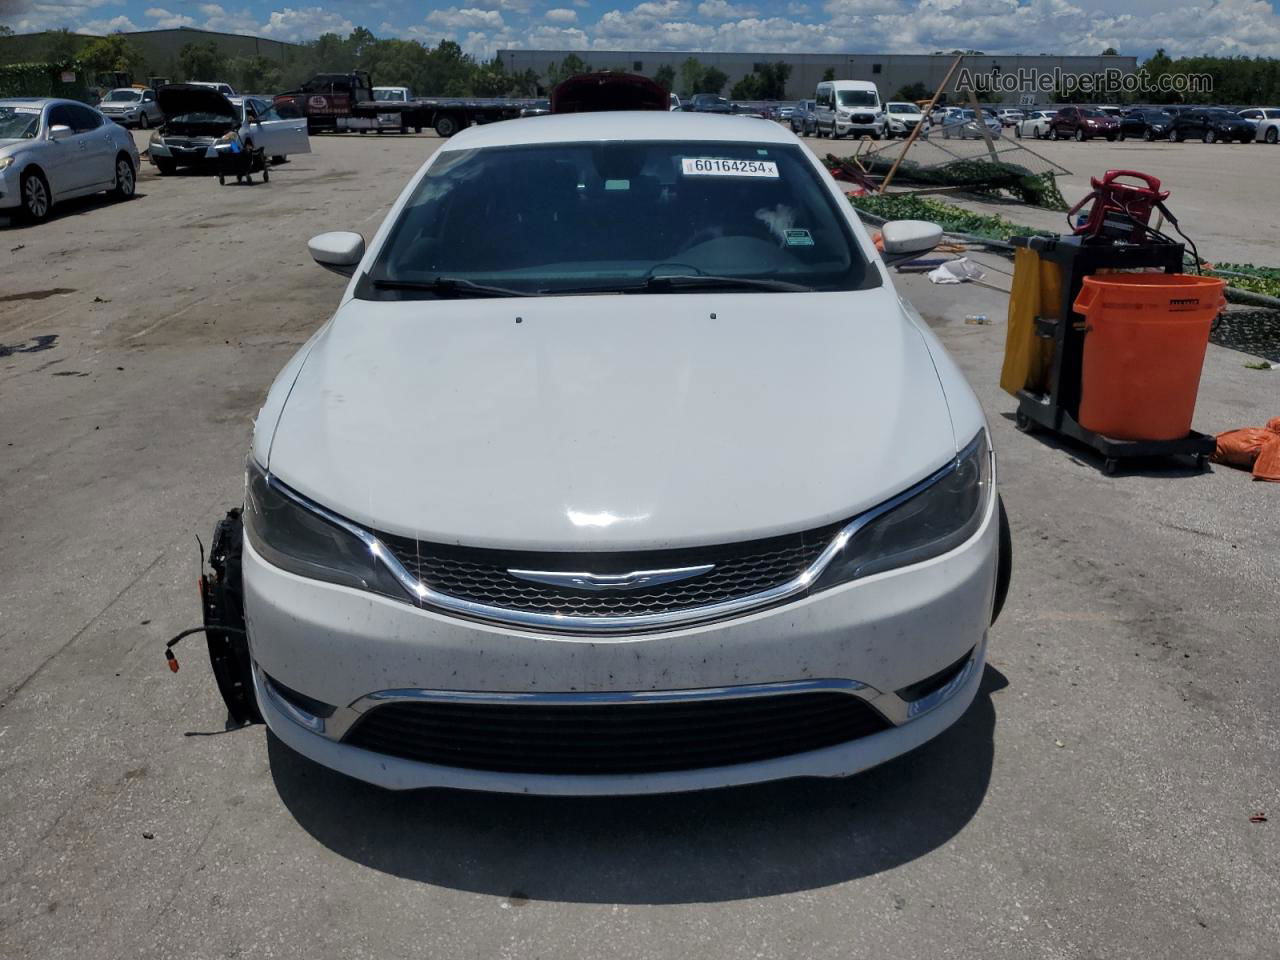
(1083, 123)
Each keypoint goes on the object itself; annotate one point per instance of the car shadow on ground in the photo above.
(682, 848)
(64, 209)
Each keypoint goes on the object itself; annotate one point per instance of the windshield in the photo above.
(856, 98)
(1158, 116)
(600, 217)
(1093, 113)
(18, 123)
(388, 94)
(123, 96)
(903, 108)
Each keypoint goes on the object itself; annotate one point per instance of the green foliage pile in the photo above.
(978, 176)
(952, 219)
(1246, 276)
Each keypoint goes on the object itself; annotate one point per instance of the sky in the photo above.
(1135, 27)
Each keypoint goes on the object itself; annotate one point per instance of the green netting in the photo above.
(952, 219)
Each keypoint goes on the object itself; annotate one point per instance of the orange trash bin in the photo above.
(1144, 346)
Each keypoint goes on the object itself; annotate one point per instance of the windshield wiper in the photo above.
(667, 284)
(451, 286)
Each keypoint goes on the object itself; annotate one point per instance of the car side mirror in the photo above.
(58, 131)
(339, 251)
(904, 239)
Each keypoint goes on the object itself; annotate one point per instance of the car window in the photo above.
(603, 216)
(19, 121)
(83, 119)
(148, 96)
(1272, 114)
(287, 110)
(123, 96)
(60, 116)
(856, 98)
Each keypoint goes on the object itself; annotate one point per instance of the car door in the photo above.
(65, 162)
(99, 146)
(288, 134)
(151, 108)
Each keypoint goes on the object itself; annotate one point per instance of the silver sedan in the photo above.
(53, 150)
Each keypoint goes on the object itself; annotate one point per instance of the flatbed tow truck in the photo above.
(341, 102)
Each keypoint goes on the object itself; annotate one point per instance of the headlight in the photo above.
(924, 522)
(6, 163)
(156, 139)
(296, 535)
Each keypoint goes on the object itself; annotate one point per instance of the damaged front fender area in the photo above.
(222, 604)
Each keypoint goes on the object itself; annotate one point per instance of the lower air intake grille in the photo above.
(614, 738)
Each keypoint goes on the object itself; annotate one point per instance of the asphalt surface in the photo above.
(1094, 802)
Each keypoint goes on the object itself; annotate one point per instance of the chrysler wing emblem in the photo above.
(636, 580)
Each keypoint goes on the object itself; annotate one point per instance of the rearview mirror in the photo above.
(339, 251)
(58, 131)
(909, 238)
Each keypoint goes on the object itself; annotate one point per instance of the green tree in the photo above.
(255, 74)
(202, 61)
(691, 73)
(111, 54)
(912, 91)
(665, 77)
(526, 84)
(491, 80)
(713, 81)
(748, 88)
(571, 66)
(1111, 52)
(829, 74)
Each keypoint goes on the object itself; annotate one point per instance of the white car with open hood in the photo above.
(656, 486)
(200, 121)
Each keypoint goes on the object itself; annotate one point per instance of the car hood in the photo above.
(608, 422)
(176, 99)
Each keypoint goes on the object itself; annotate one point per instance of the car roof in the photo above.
(633, 125)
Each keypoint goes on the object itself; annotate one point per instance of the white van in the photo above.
(849, 107)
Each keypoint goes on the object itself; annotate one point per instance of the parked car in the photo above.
(964, 124)
(675, 102)
(596, 627)
(132, 107)
(901, 117)
(1083, 123)
(53, 150)
(1265, 122)
(539, 108)
(784, 112)
(1009, 116)
(1035, 124)
(200, 122)
(849, 107)
(223, 88)
(709, 103)
(803, 118)
(1210, 124)
(1146, 123)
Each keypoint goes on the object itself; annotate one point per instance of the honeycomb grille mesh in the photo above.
(480, 575)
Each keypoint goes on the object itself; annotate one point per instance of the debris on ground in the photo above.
(977, 319)
(952, 219)
(957, 271)
(1252, 448)
(1258, 818)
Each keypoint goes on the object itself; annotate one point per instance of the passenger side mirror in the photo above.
(58, 131)
(909, 238)
(339, 251)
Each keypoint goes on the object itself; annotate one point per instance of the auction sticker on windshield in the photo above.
(726, 167)
(31, 111)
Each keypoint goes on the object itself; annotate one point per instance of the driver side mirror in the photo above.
(339, 251)
(904, 239)
(58, 131)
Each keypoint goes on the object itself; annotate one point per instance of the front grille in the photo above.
(617, 738)
(480, 575)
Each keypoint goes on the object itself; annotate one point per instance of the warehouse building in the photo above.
(890, 72)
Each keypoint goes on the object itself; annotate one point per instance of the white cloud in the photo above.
(723, 10)
(167, 20)
(107, 26)
(562, 15)
(455, 18)
(304, 23)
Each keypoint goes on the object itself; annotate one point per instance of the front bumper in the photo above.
(192, 154)
(353, 649)
(9, 192)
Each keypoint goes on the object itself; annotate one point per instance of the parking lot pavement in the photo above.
(1094, 802)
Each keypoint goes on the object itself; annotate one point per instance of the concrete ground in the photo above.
(1094, 802)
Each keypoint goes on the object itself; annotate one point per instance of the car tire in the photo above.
(164, 166)
(126, 178)
(1272, 136)
(446, 126)
(279, 159)
(1147, 135)
(37, 201)
(1175, 136)
(1017, 131)
(1210, 137)
(1080, 137)
(1119, 136)
(143, 122)
(1004, 561)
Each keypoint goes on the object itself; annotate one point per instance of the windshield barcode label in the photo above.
(724, 167)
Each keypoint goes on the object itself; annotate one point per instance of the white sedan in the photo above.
(660, 487)
(200, 121)
(1035, 124)
(1265, 122)
(53, 150)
